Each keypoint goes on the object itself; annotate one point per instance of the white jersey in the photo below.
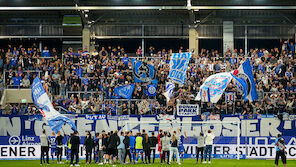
(209, 138)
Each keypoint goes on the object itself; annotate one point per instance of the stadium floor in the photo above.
(191, 162)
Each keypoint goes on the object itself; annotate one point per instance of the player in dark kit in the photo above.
(75, 142)
(126, 142)
(89, 145)
(60, 145)
(112, 146)
(154, 142)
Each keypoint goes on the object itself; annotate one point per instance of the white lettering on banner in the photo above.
(185, 126)
(39, 126)
(288, 125)
(132, 126)
(292, 141)
(103, 125)
(230, 129)
(27, 140)
(27, 124)
(10, 127)
(67, 128)
(83, 125)
(249, 127)
(269, 127)
(148, 127)
(216, 128)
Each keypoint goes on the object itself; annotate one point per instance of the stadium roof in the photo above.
(115, 16)
(35, 3)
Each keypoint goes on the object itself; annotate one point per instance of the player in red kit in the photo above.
(159, 136)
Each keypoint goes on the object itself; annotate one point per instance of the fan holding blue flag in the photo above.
(43, 103)
(125, 91)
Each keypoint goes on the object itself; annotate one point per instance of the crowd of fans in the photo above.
(83, 82)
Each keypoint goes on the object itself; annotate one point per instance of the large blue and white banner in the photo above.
(245, 73)
(143, 72)
(19, 135)
(178, 67)
(43, 103)
(125, 91)
(215, 85)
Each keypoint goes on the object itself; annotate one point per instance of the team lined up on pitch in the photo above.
(113, 147)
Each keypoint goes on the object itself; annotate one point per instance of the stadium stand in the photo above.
(83, 82)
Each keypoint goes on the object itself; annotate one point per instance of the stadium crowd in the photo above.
(83, 82)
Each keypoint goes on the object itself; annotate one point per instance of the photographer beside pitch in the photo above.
(280, 150)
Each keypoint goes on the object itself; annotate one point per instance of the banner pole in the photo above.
(238, 138)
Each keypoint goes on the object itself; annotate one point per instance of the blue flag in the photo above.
(245, 73)
(143, 72)
(125, 91)
(151, 90)
(241, 85)
(42, 102)
(178, 67)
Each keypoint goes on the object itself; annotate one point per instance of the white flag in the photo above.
(169, 91)
(213, 88)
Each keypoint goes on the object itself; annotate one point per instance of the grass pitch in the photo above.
(187, 162)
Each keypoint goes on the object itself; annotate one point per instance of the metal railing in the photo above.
(31, 30)
(117, 107)
(17, 87)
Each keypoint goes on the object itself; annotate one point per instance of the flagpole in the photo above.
(63, 131)
(233, 107)
(226, 103)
